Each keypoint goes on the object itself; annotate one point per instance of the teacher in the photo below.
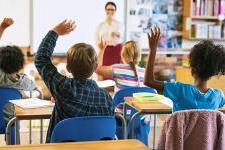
(110, 31)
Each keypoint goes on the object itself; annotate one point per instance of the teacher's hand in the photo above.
(115, 34)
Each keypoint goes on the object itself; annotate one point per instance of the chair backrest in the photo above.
(88, 128)
(6, 94)
(128, 92)
(193, 129)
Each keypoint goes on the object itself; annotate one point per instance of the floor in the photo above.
(36, 131)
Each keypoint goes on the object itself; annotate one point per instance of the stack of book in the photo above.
(206, 30)
(208, 7)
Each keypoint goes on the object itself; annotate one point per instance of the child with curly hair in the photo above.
(206, 60)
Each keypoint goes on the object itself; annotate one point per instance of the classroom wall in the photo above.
(20, 10)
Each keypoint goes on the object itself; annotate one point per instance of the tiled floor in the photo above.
(36, 133)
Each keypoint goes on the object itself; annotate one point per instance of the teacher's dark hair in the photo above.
(110, 3)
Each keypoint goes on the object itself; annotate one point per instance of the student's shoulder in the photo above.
(217, 92)
(176, 83)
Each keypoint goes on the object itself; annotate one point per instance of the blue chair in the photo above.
(88, 128)
(7, 94)
(142, 129)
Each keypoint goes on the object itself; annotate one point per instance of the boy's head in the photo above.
(207, 60)
(11, 59)
(81, 60)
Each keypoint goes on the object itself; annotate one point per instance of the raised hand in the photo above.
(6, 23)
(102, 44)
(153, 38)
(65, 27)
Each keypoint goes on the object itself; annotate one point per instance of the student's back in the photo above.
(124, 76)
(77, 96)
(187, 96)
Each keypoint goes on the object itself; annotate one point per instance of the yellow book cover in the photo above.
(145, 97)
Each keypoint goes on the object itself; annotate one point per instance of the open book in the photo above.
(32, 103)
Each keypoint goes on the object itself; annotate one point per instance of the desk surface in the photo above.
(34, 113)
(100, 145)
(154, 107)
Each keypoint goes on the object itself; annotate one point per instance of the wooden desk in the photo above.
(150, 107)
(34, 113)
(27, 114)
(100, 145)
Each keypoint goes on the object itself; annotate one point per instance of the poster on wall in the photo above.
(166, 14)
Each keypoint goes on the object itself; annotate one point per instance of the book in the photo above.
(222, 7)
(216, 8)
(145, 97)
(106, 83)
(32, 103)
(210, 8)
(198, 7)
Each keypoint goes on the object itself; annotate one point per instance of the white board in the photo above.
(87, 14)
(19, 33)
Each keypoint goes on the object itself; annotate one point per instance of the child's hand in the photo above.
(153, 38)
(65, 27)
(6, 23)
(102, 44)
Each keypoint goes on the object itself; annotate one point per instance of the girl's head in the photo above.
(207, 60)
(110, 9)
(130, 54)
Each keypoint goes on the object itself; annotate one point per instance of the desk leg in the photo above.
(8, 130)
(30, 131)
(132, 124)
(17, 132)
(124, 125)
(125, 111)
(155, 131)
(41, 131)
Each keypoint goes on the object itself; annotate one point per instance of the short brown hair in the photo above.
(81, 58)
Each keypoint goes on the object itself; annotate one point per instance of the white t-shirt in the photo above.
(105, 30)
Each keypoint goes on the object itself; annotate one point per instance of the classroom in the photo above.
(112, 74)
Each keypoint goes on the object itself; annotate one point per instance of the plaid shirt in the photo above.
(74, 98)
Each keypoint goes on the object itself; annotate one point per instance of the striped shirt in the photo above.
(124, 76)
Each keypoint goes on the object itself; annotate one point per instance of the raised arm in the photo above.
(153, 39)
(101, 70)
(43, 61)
(5, 24)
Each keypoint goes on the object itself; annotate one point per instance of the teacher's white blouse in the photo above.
(105, 30)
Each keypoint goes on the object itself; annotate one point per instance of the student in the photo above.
(11, 62)
(127, 74)
(5, 24)
(77, 96)
(206, 60)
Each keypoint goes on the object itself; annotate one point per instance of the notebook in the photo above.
(32, 103)
(106, 83)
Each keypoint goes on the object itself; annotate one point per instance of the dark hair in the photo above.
(110, 3)
(81, 58)
(207, 60)
(11, 59)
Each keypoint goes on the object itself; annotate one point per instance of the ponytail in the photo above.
(132, 65)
